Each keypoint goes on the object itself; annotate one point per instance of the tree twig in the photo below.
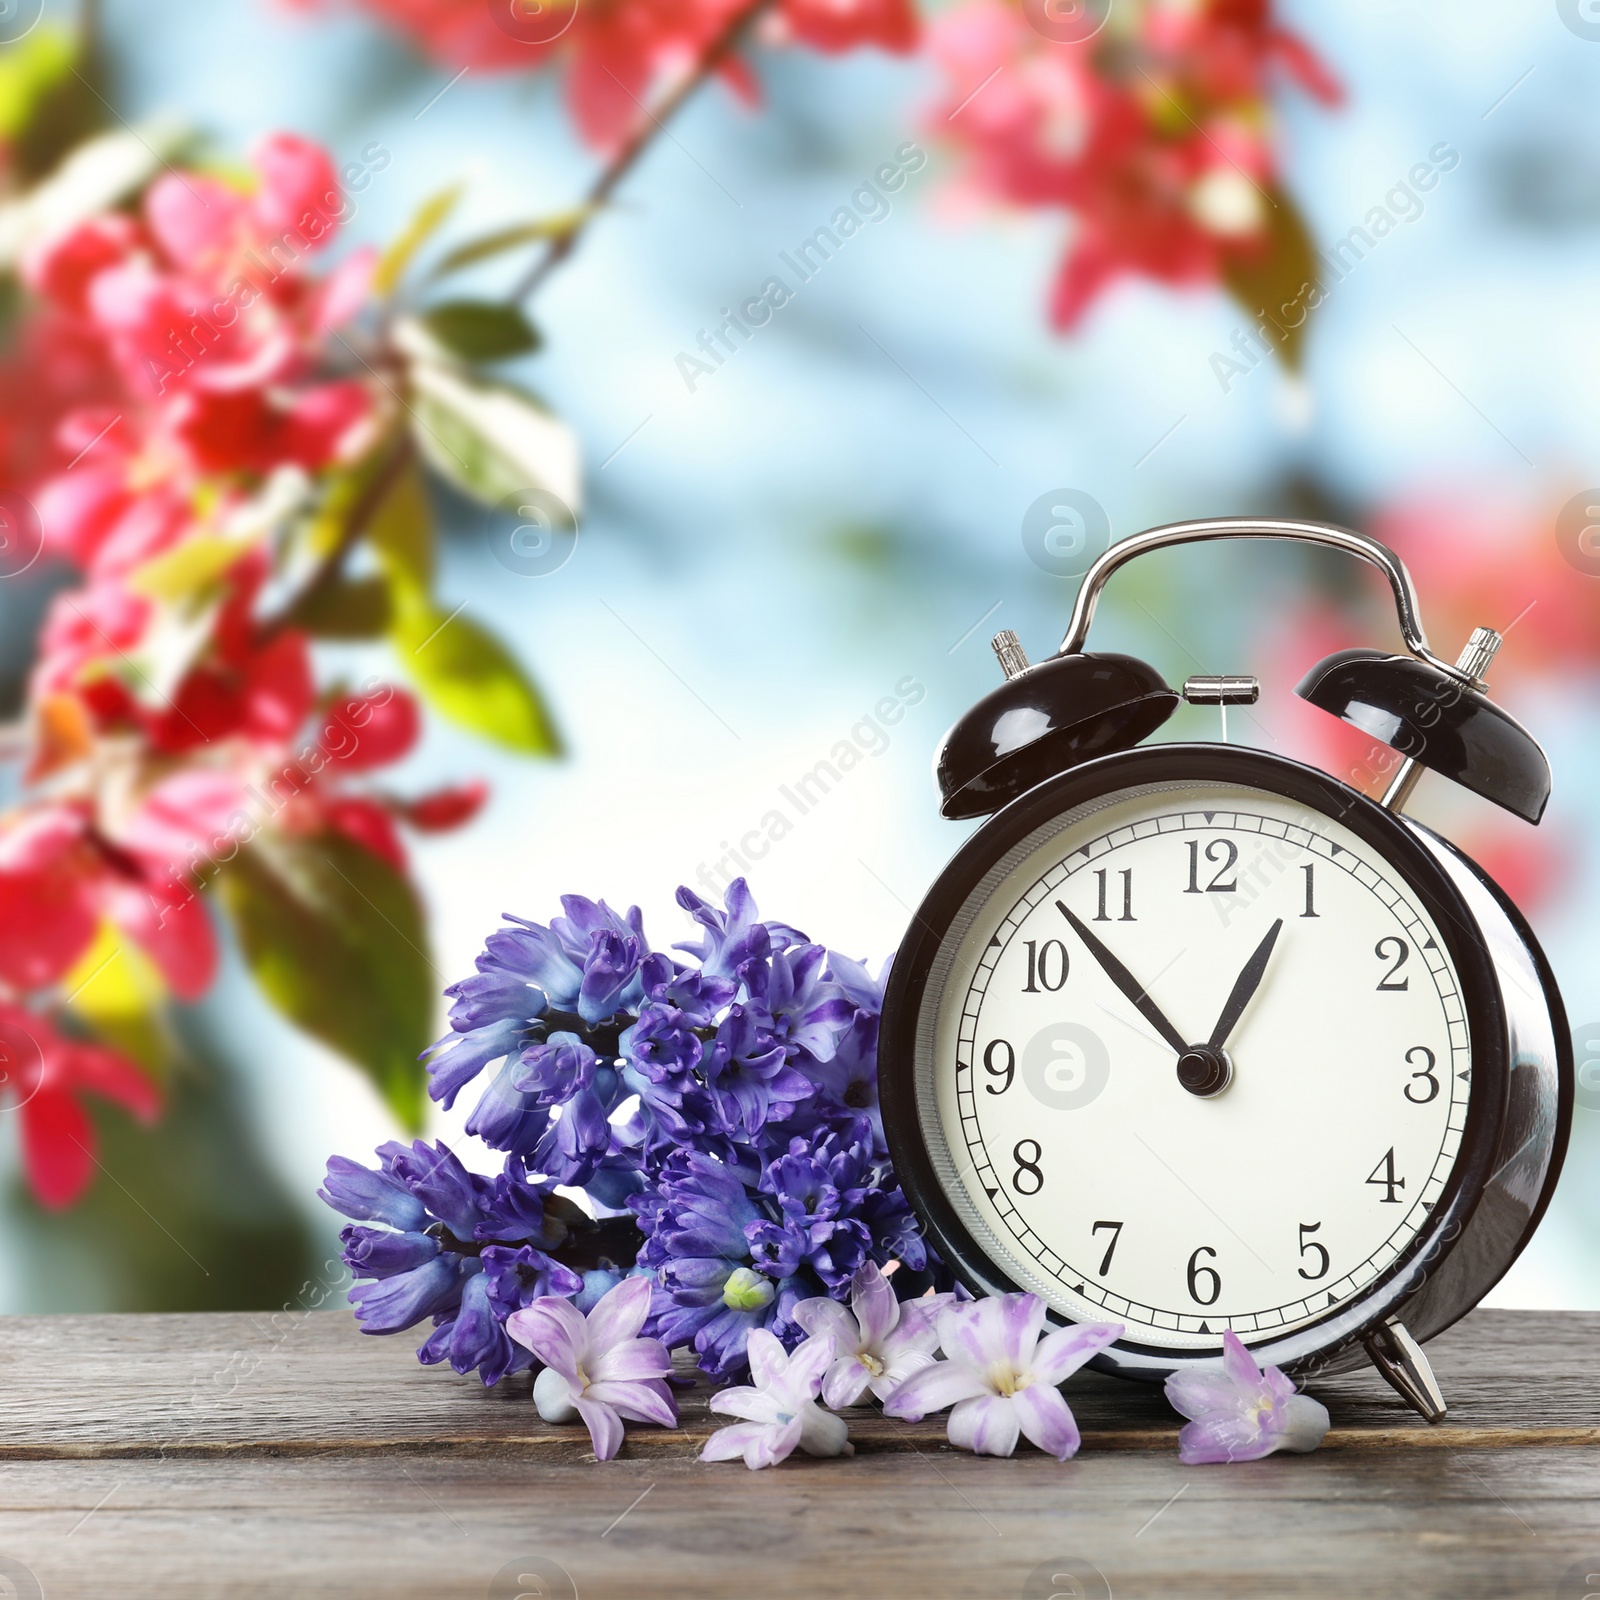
(331, 568)
(650, 125)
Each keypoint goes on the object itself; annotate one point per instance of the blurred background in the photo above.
(791, 545)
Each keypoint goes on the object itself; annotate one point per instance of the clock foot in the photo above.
(1400, 1359)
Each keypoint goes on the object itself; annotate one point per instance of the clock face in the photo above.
(1200, 1060)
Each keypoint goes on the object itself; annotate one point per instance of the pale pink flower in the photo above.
(878, 1342)
(1001, 1377)
(780, 1409)
(1240, 1413)
(597, 1366)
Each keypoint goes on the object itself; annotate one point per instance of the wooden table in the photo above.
(259, 1455)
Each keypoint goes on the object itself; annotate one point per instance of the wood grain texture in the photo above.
(241, 1456)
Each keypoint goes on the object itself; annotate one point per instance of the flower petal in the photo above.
(1237, 1361)
(1303, 1422)
(629, 1360)
(1221, 1437)
(755, 1405)
(769, 1362)
(827, 1319)
(905, 1365)
(934, 1388)
(619, 1314)
(822, 1433)
(728, 1444)
(761, 1444)
(1046, 1420)
(1200, 1391)
(647, 1401)
(1061, 1353)
(845, 1383)
(987, 1426)
(1002, 1328)
(874, 1303)
(605, 1426)
(554, 1330)
(806, 1366)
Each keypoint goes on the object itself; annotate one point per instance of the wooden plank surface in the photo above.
(237, 1455)
(309, 1381)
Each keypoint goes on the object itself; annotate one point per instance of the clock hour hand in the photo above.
(1127, 983)
(1245, 987)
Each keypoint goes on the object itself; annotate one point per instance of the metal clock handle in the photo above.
(1322, 533)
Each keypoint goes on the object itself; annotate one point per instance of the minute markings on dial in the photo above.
(1375, 875)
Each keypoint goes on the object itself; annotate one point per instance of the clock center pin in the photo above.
(1204, 1070)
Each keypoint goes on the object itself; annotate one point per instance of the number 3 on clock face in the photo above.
(1192, 1056)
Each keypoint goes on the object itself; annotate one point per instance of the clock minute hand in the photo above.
(1244, 987)
(1127, 983)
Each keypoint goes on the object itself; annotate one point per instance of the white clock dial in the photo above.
(1076, 1156)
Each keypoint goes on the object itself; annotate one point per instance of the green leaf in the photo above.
(481, 330)
(466, 674)
(401, 532)
(491, 440)
(351, 608)
(392, 264)
(188, 568)
(1275, 285)
(497, 243)
(335, 938)
(29, 72)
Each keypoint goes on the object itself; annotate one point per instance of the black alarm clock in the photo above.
(1191, 1037)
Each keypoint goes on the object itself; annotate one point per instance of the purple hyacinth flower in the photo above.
(370, 1196)
(849, 1077)
(388, 1305)
(382, 1253)
(555, 1067)
(513, 1208)
(878, 1342)
(810, 1013)
(779, 1408)
(507, 1117)
(698, 995)
(857, 983)
(663, 1043)
(736, 935)
(573, 1144)
(748, 1071)
(473, 1338)
(455, 1060)
(437, 1178)
(515, 1277)
(1240, 1413)
(493, 994)
(610, 975)
(1001, 1377)
(596, 1365)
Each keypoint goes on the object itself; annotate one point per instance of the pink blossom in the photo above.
(597, 1366)
(878, 1342)
(1240, 1413)
(1001, 1377)
(780, 1409)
